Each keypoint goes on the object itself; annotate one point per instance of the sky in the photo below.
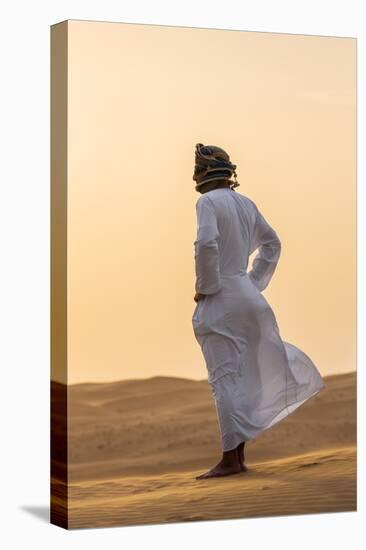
(139, 98)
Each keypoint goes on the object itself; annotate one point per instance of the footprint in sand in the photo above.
(309, 464)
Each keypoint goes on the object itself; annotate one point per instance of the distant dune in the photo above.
(135, 447)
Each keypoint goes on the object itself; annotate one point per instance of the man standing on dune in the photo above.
(256, 379)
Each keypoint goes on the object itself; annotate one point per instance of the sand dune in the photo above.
(136, 446)
(322, 481)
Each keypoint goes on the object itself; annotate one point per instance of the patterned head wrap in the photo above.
(212, 163)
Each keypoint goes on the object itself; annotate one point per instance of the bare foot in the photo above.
(221, 470)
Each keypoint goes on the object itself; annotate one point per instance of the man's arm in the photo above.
(206, 249)
(265, 262)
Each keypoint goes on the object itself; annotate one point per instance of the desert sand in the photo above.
(135, 447)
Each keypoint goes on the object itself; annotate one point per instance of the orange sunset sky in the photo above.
(140, 97)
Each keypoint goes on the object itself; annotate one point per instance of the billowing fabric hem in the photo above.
(232, 440)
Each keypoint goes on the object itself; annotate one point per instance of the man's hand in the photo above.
(198, 297)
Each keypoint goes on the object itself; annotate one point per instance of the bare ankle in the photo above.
(229, 458)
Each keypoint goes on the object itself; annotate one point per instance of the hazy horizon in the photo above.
(140, 98)
(144, 378)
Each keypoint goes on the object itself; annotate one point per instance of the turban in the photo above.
(212, 163)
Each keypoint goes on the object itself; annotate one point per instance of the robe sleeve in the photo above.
(206, 249)
(265, 262)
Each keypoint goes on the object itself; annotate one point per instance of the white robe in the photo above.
(256, 379)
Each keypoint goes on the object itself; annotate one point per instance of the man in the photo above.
(256, 379)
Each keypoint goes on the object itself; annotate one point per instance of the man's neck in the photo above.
(220, 185)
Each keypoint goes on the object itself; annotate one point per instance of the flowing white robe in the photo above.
(256, 379)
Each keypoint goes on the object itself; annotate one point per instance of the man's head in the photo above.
(212, 166)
